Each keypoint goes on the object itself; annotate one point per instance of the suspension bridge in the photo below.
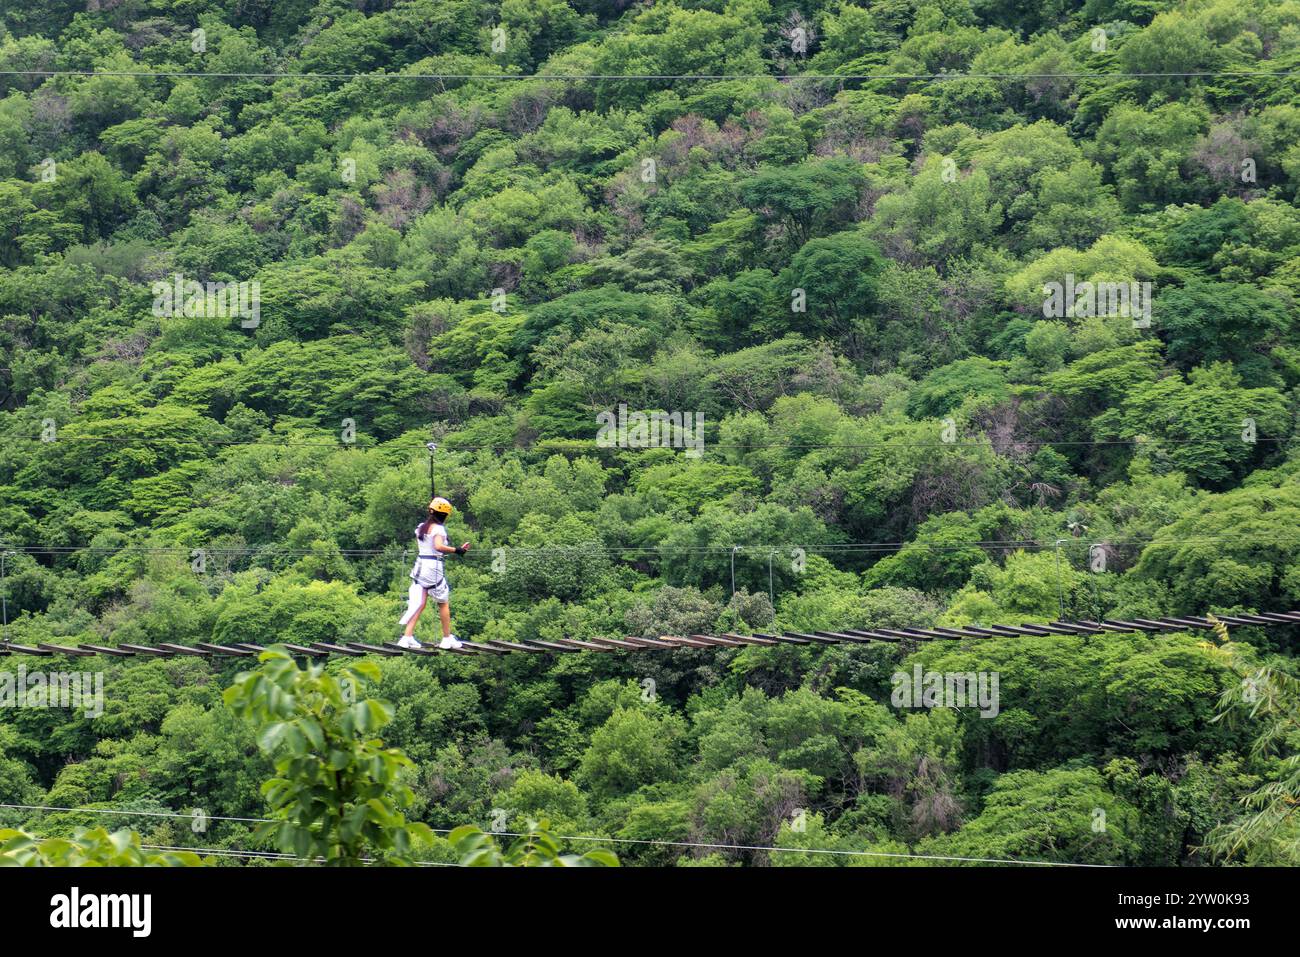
(636, 644)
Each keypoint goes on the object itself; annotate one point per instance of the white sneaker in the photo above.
(451, 641)
(408, 641)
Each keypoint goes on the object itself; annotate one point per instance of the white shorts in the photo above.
(430, 574)
(415, 598)
(440, 592)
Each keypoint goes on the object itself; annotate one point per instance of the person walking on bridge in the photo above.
(428, 576)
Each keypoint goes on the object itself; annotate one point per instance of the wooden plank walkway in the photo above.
(588, 645)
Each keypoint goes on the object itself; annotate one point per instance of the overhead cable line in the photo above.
(552, 444)
(745, 550)
(653, 551)
(486, 553)
(276, 856)
(657, 77)
(594, 839)
(130, 813)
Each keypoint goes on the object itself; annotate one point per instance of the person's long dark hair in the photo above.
(429, 522)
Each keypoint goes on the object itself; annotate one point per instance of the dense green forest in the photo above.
(823, 235)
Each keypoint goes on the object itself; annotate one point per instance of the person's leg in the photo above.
(414, 606)
(444, 612)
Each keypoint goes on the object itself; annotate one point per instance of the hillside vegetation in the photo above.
(833, 266)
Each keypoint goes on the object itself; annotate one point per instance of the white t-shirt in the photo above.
(429, 568)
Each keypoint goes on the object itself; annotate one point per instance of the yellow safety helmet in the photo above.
(440, 505)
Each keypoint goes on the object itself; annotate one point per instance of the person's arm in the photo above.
(440, 543)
